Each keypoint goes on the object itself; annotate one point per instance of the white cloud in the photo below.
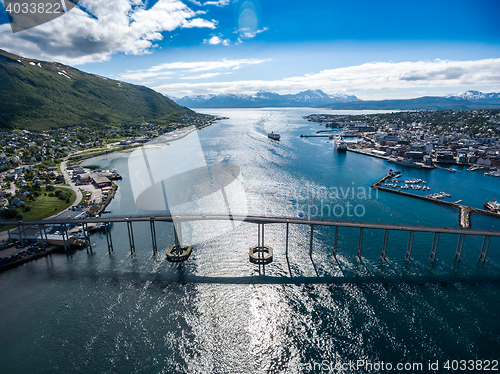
(202, 76)
(214, 40)
(169, 69)
(249, 33)
(361, 78)
(219, 3)
(110, 26)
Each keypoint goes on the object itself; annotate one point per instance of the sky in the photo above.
(377, 49)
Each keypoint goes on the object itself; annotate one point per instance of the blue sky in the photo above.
(372, 49)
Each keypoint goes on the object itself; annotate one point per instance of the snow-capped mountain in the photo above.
(476, 96)
(264, 99)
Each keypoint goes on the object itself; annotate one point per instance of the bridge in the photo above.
(459, 233)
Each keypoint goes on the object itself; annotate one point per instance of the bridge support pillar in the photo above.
(384, 245)
(108, 239)
(20, 230)
(178, 234)
(46, 236)
(153, 236)
(44, 240)
(178, 252)
(86, 235)
(286, 242)
(65, 238)
(261, 254)
(409, 247)
(483, 254)
(131, 237)
(360, 242)
(460, 247)
(311, 241)
(335, 242)
(435, 242)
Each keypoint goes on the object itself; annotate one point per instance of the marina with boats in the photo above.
(391, 183)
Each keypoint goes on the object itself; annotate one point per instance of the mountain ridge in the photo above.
(264, 98)
(39, 95)
(317, 98)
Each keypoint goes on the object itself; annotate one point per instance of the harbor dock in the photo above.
(464, 211)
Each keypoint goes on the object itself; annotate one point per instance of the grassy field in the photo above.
(44, 205)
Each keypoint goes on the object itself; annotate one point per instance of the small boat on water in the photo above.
(273, 136)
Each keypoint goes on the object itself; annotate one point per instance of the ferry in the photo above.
(340, 144)
(273, 136)
(405, 162)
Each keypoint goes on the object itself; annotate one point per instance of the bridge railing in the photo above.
(41, 225)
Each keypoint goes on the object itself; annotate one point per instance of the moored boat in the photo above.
(493, 173)
(492, 206)
(273, 136)
(340, 143)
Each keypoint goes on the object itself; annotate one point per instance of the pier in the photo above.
(351, 148)
(315, 136)
(464, 211)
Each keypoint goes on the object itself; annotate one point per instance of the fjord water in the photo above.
(218, 313)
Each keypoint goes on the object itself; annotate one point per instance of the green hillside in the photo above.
(39, 95)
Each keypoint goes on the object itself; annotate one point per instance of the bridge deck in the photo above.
(257, 220)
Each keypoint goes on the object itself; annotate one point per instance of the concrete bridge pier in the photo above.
(409, 247)
(108, 239)
(384, 245)
(360, 242)
(483, 254)
(460, 247)
(261, 254)
(153, 236)
(435, 242)
(131, 238)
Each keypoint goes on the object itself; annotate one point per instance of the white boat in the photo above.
(273, 136)
(340, 144)
(493, 173)
(474, 168)
(492, 206)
